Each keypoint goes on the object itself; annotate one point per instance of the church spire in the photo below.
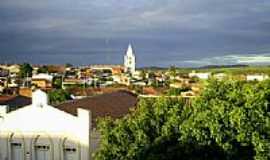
(130, 50)
(130, 60)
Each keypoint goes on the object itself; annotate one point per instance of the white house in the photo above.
(220, 76)
(42, 132)
(256, 77)
(43, 76)
(203, 76)
(130, 61)
(64, 132)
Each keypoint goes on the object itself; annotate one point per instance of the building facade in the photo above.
(42, 132)
(64, 132)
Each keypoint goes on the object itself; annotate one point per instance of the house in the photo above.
(203, 76)
(188, 94)
(42, 80)
(257, 77)
(176, 85)
(220, 76)
(40, 131)
(63, 132)
(26, 92)
(123, 79)
(117, 70)
(4, 74)
(139, 83)
(13, 69)
(150, 91)
(111, 69)
(69, 82)
(10, 103)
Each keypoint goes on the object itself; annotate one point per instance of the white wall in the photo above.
(46, 125)
(256, 77)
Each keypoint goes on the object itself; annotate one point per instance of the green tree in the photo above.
(43, 69)
(230, 120)
(177, 91)
(173, 71)
(234, 116)
(25, 70)
(57, 82)
(143, 74)
(150, 132)
(58, 96)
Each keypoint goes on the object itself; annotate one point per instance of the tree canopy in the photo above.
(25, 70)
(43, 69)
(230, 120)
(58, 96)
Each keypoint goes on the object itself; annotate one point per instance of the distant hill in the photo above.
(152, 68)
(224, 66)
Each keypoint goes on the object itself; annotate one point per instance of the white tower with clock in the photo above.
(130, 61)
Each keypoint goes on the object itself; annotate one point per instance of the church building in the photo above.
(130, 61)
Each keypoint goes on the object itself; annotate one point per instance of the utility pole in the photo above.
(27, 80)
(62, 79)
(84, 82)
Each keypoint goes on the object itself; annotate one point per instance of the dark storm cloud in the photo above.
(179, 32)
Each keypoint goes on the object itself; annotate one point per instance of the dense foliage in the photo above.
(43, 69)
(230, 120)
(177, 91)
(57, 82)
(58, 96)
(25, 70)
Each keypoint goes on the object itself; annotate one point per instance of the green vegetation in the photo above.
(43, 69)
(230, 71)
(58, 96)
(177, 91)
(136, 89)
(57, 82)
(173, 71)
(239, 71)
(25, 70)
(230, 120)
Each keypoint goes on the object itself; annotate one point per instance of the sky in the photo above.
(184, 33)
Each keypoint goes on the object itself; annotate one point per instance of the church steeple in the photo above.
(130, 50)
(130, 60)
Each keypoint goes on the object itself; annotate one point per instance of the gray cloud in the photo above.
(261, 59)
(168, 31)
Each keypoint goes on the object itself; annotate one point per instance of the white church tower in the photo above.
(130, 60)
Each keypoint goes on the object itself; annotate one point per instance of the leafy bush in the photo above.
(58, 96)
(177, 91)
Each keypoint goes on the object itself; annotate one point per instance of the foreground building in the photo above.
(41, 132)
(65, 132)
(11, 103)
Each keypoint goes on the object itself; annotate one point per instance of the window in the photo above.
(16, 144)
(41, 147)
(70, 149)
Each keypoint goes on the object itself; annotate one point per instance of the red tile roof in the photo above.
(15, 102)
(115, 104)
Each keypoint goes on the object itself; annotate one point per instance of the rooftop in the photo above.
(116, 105)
